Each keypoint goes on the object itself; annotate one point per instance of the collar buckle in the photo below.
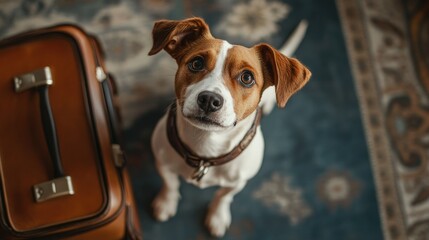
(201, 170)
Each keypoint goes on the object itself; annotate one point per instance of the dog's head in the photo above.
(218, 84)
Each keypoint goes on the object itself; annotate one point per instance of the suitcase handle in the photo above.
(104, 79)
(61, 185)
(50, 131)
(108, 99)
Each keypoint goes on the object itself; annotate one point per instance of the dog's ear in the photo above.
(173, 35)
(288, 75)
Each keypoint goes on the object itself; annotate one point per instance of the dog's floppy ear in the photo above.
(288, 75)
(173, 35)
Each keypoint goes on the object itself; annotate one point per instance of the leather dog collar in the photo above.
(201, 164)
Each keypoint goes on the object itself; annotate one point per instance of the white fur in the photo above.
(213, 82)
(268, 100)
(231, 177)
(212, 142)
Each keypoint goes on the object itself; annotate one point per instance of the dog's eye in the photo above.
(247, 79)
(196, 64)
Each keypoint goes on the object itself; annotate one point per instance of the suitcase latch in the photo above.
(118, 155)
(55, 188)
(39, 77)
(100, 74)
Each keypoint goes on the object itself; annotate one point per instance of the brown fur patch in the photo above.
(246, 99)
(209, 50)
(288, 75)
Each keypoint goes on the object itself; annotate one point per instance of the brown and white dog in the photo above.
(219, 88)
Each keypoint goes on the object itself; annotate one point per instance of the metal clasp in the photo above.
(118, 155)
(39, 77)
(55, 188)
(100, 74)
(201, 170)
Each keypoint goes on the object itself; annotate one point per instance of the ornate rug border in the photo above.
(364, 77)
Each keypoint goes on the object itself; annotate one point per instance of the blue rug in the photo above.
(316, 180)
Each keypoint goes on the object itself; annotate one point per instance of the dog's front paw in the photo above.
(164, 206)
(218, 221)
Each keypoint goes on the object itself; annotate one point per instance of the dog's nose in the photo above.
(209, 101)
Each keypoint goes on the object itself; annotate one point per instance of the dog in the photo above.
(210, 135)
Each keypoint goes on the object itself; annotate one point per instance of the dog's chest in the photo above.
(240, 169)
(225, 176)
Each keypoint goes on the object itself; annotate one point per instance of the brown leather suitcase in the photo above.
(62, 171)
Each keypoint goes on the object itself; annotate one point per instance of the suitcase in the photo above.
(62, 170)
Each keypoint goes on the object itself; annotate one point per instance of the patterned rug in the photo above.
(389, 52)
(370, 77)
